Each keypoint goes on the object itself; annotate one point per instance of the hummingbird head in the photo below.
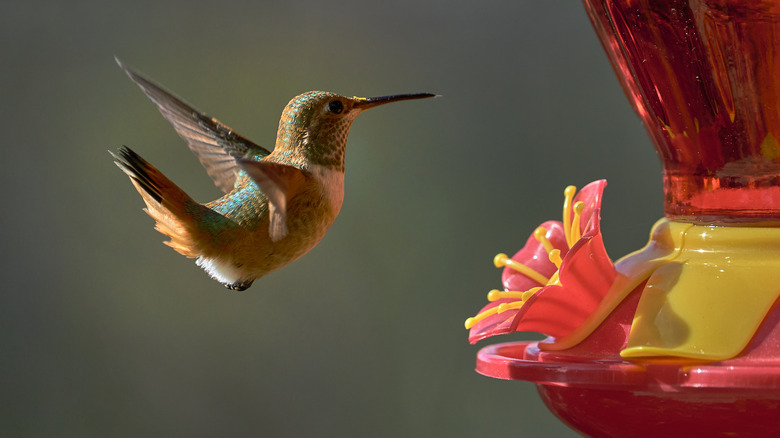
(314, 125)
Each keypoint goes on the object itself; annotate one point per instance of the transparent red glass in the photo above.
(703, 77)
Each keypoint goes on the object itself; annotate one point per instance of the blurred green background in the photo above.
(104, 331)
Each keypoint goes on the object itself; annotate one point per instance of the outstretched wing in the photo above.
(215, 144)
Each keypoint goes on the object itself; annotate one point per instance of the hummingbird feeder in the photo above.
(682, 337)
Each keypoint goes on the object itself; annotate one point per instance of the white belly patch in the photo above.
(220, 271)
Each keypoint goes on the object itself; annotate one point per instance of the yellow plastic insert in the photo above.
(708, 301)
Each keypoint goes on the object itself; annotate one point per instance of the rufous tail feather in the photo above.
(171, 208)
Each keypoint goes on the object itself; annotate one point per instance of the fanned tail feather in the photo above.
(165, 202)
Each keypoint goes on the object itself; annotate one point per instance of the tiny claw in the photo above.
(239, 285)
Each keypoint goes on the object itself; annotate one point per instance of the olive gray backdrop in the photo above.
(104, 331)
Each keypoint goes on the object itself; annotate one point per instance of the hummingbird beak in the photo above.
(364, 103)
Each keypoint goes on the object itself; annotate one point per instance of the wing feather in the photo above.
(214, 143)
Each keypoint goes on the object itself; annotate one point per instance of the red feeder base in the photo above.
(598, 393)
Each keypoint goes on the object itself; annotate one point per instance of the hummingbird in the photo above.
(277, 205)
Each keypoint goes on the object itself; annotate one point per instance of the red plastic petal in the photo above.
(590, 195)
(586, 276)
(497, 324)
(535, 257)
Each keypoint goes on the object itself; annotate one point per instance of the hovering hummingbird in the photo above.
(277, 205)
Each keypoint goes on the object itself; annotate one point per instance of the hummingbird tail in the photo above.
(170, 207)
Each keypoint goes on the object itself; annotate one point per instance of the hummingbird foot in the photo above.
(239, 285)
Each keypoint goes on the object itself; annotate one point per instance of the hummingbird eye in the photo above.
(335, 106)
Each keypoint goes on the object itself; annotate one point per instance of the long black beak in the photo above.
(371, 102)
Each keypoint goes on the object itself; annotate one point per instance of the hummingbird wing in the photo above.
(215, 144)
(279, 182)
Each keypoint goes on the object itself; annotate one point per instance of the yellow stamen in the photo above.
(572, 233)
(568, 194)
(575, 226)
(529, 293)
(503, 307)
(471, 322)
(501, 260)
(555, 257)
(540, 234)
(555, 279)
(496, 294)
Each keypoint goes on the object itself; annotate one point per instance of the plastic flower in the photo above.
(557, 279)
